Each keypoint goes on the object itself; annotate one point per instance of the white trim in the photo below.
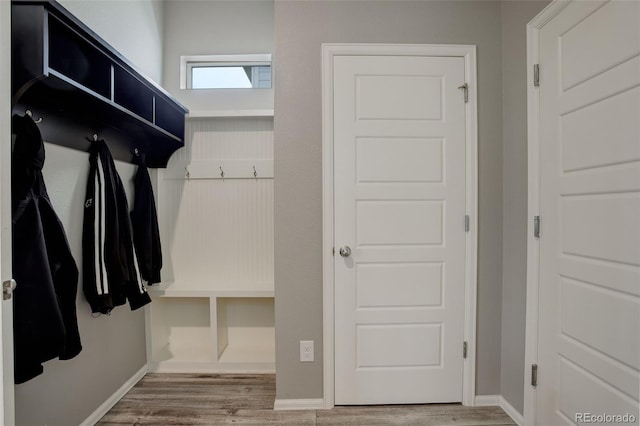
(468, 52)
(113, 399)
(7, 392)
(471, 270)
(533, 257)
(487, 401)
(327, 227)
(511, 411)
(499, 401)
(299, 404)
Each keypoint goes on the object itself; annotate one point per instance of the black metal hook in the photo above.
(30, 114)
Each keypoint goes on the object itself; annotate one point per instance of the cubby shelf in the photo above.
(195, 330)
(81, 86)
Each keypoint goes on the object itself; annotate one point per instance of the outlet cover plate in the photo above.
(306, 351)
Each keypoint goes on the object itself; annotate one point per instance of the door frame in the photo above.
(7, 397)
(533, 201)
(468, 52)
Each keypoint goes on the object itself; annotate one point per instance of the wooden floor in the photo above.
(205, 399)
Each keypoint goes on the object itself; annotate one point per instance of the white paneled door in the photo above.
(589, 272)
(399, 200)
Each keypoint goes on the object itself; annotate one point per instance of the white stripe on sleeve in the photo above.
(101, 210)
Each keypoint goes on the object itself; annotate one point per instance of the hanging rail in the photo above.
(221, 169)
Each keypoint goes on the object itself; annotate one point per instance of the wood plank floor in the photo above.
(212, 399)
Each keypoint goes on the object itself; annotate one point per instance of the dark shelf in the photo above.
(80, 85)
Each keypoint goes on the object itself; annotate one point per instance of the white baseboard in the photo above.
(299, 404)
(499, 401)
(511, 412)
(487, 401)
(113, 399)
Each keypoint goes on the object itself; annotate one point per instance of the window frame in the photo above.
(187, 63)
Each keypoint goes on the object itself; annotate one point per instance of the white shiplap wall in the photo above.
(218, 234)
(230, 137)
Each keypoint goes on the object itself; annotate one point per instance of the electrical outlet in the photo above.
(306, 350)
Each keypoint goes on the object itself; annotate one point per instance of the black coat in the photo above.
(44, 305)
(144, 219)
(110, 268)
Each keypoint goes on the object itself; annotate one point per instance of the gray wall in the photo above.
(300, 28)
(113, 346)
(216, 28)
(133, 27)
(515, 15)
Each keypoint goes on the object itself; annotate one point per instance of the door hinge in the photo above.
(534, 375)
(333, 252)
(536, 75)
(466, 223)
(536, 226)
(465, 89)
(7, 289)
(464, 350)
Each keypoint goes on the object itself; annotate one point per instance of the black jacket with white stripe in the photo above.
(110, 268)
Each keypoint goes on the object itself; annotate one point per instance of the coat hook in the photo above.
(187, 174)
(255, 173)
(30, 114)
(136, 152)
(95, 137)
(221, 173)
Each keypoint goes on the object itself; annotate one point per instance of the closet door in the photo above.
(589, 272)
(399, 174)
(7, 412)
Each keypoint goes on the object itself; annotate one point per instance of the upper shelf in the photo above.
(248, 113)
(80, 85)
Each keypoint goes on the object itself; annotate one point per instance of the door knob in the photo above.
(345, 251)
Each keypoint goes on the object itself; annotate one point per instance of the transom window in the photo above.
(225, 72)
